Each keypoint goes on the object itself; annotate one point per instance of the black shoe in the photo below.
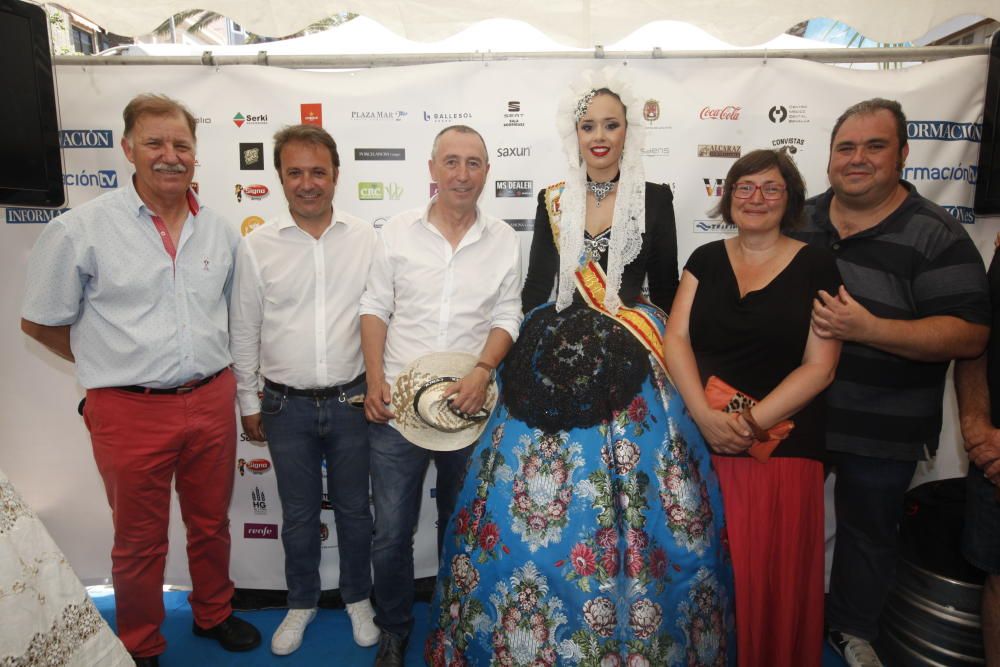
(151, 661)
(233, 634)
(391, 649)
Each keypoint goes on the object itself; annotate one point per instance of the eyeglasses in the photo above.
(745, 190)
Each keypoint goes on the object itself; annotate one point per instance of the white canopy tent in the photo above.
(577, 23)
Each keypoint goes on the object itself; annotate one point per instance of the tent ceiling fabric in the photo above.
(578, 23)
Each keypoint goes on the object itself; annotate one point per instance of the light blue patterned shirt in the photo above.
(134, 320)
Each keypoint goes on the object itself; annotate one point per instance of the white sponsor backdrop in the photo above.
(701, 106)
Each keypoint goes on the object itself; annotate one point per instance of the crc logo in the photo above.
(651, 111)
(258, 501)
(106, 179)
(252, 157)
(943, 130)
(256, 191)
(515, 188)
(249, 119)
(372, 191)
(256, 466)
(311, 114)
(85, 139)
(714, 189)
(260, 531)
(729, 112)
(514, 151)
(778, 114)
(17, 216)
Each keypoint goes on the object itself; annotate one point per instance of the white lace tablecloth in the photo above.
(46, 616)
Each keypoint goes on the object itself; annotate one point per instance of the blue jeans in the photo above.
(398, 468)
(868, 496)
(301, 432)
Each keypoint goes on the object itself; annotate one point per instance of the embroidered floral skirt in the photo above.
(580, 544)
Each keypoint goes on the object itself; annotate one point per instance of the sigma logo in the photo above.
(85, 139)
(713, 187)
(963, 214)
(260, 531)
(256, 466)
(106, 179)
(32, 215)
(722, 113)
(943, 130)
(259, 501)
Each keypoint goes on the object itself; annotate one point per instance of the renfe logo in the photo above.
(260, 531)
(85, 139)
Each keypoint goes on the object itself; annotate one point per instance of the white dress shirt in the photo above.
(434, 298)
(281, 326)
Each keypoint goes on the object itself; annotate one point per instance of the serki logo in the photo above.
(256, 466)
(238, 119)
(651, 110)
(311, 114)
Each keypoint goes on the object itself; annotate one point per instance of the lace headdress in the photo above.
(629, 220)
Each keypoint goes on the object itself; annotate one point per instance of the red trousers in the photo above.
(774, 520)
(141, 442)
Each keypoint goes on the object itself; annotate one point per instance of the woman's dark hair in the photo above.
(755, 162)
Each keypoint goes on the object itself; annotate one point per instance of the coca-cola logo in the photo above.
(256, 191)
(722, 113)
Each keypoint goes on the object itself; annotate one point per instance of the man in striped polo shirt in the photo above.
(914, 298)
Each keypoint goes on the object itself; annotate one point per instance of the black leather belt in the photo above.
(319, 392)
(183, 389)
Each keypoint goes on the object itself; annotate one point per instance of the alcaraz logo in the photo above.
(103, 178)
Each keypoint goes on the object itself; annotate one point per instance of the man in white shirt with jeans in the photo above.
(294, 323)
(445, 277)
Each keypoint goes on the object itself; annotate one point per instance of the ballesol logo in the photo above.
(16, 216)
(719, 150)
(249, 119)
(447, 117)
(720, 113)
(311, 114)
(248, 225)
(85, 139)
(260, 531)
(256, 191)
(106, 179)
(256, 466)
(515, 189)
(713, 187)
(514, 151)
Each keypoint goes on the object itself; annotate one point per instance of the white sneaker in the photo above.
(366, 633)
(288, 637)
(857, 652)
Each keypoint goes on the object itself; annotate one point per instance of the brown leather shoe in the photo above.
(233, 634)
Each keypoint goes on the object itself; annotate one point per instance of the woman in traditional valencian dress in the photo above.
(589, 529)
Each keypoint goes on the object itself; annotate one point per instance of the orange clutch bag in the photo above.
(722, 396)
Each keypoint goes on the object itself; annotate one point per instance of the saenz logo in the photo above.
(260, 531)
(103, 178)
(256, 466)
(29, 215)
(943, 130)
(85, 139)
(963, 214)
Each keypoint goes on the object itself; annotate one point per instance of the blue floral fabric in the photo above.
(597, 546)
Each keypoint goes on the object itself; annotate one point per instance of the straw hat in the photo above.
(424, 416)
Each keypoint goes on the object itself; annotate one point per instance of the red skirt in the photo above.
(774, 521)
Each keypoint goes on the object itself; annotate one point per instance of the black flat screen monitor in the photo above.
(988, 179)
(31, 166)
